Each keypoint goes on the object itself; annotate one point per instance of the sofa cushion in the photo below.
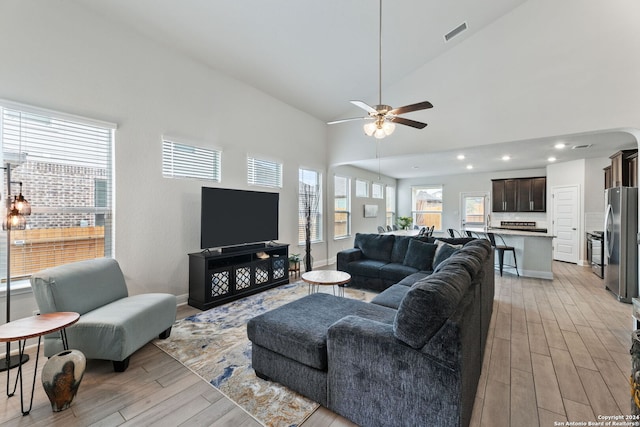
(366, 268)
(392, 296)
(420, 254)
(375, 246)
(396, 272)
(428, 304)
(298, 330)
(400, 246)
(444, 251)
(412, 279)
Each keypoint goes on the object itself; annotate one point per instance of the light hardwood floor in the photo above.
(557, 350)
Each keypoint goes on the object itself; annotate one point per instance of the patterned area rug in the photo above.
(214, 345)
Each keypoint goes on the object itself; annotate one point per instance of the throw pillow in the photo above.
(420, 254)
(443, 252)
(375, 246)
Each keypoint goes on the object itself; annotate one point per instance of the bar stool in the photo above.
(501, 249)
(454, 233)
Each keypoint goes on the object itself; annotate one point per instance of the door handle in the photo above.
(574, 229)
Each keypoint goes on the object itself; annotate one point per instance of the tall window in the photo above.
(309, 205)
(377, 190)
(265, 173)
(342, 207)
(427, 206)
(66, 169)
(391, 206)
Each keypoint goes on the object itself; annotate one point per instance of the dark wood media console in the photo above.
(219, 277)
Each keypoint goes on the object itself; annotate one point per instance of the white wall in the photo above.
(61, 57)
(453, 185)
(594, 193)
(359, 224)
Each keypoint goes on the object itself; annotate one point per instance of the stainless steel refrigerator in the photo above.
(620, 242)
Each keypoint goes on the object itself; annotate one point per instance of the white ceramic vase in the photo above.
(61, 376)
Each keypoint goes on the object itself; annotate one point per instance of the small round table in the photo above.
(318, 278)
(31, 327)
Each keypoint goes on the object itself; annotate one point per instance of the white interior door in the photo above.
(565, 223)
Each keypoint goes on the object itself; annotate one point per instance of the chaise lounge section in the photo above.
(412, 356)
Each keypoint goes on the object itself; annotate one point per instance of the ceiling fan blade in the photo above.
(413, 107)
(365, 107)
(348, 120)
(407, 122)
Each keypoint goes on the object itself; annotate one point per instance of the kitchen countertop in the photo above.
(505, 232)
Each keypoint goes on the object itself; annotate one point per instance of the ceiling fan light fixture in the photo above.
(370, 128)
(380, 128)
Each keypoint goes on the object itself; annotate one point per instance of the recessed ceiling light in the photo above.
(460, 156)
(560, 145)
(551, 159)
(506, 157)
(469, 166)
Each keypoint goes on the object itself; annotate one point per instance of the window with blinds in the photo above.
(342, 207)
(186, 161)
(362, 188)
(391, 206)
(264, 173)
(377, 190)
(309, 206)
(65, 166)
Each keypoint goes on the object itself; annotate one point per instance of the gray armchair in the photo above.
(112, 325)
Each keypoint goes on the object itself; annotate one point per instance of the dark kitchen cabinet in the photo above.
(504, 197)
(519, 195)
(620, 168)
(608, 183)
(532, 194)
(633, 170)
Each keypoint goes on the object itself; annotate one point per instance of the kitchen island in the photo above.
(534, 251)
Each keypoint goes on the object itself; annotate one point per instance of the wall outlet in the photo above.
(36, 312)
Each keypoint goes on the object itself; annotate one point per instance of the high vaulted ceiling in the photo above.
(318, 55)
(313, 55)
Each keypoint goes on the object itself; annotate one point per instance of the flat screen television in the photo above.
(237, 217)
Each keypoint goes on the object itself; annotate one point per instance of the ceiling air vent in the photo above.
(451, 34)
(579, 147)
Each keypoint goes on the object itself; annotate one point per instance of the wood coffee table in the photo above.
(318, 278)
(34, 327)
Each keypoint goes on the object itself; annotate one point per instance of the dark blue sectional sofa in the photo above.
(411, 357)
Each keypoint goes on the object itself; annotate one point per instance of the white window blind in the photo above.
(66, 169)
(186, 161)
(265, 173)
(391, 206)
(362, 188)
(309, 205)
(342, 207)
(377, 191)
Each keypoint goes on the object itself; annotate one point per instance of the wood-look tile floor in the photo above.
(557, 350)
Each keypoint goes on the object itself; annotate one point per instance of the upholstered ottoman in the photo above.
(289, 343)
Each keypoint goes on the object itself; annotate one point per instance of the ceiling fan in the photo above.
(382, 118)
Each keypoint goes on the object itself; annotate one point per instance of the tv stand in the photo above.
(219, 277)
